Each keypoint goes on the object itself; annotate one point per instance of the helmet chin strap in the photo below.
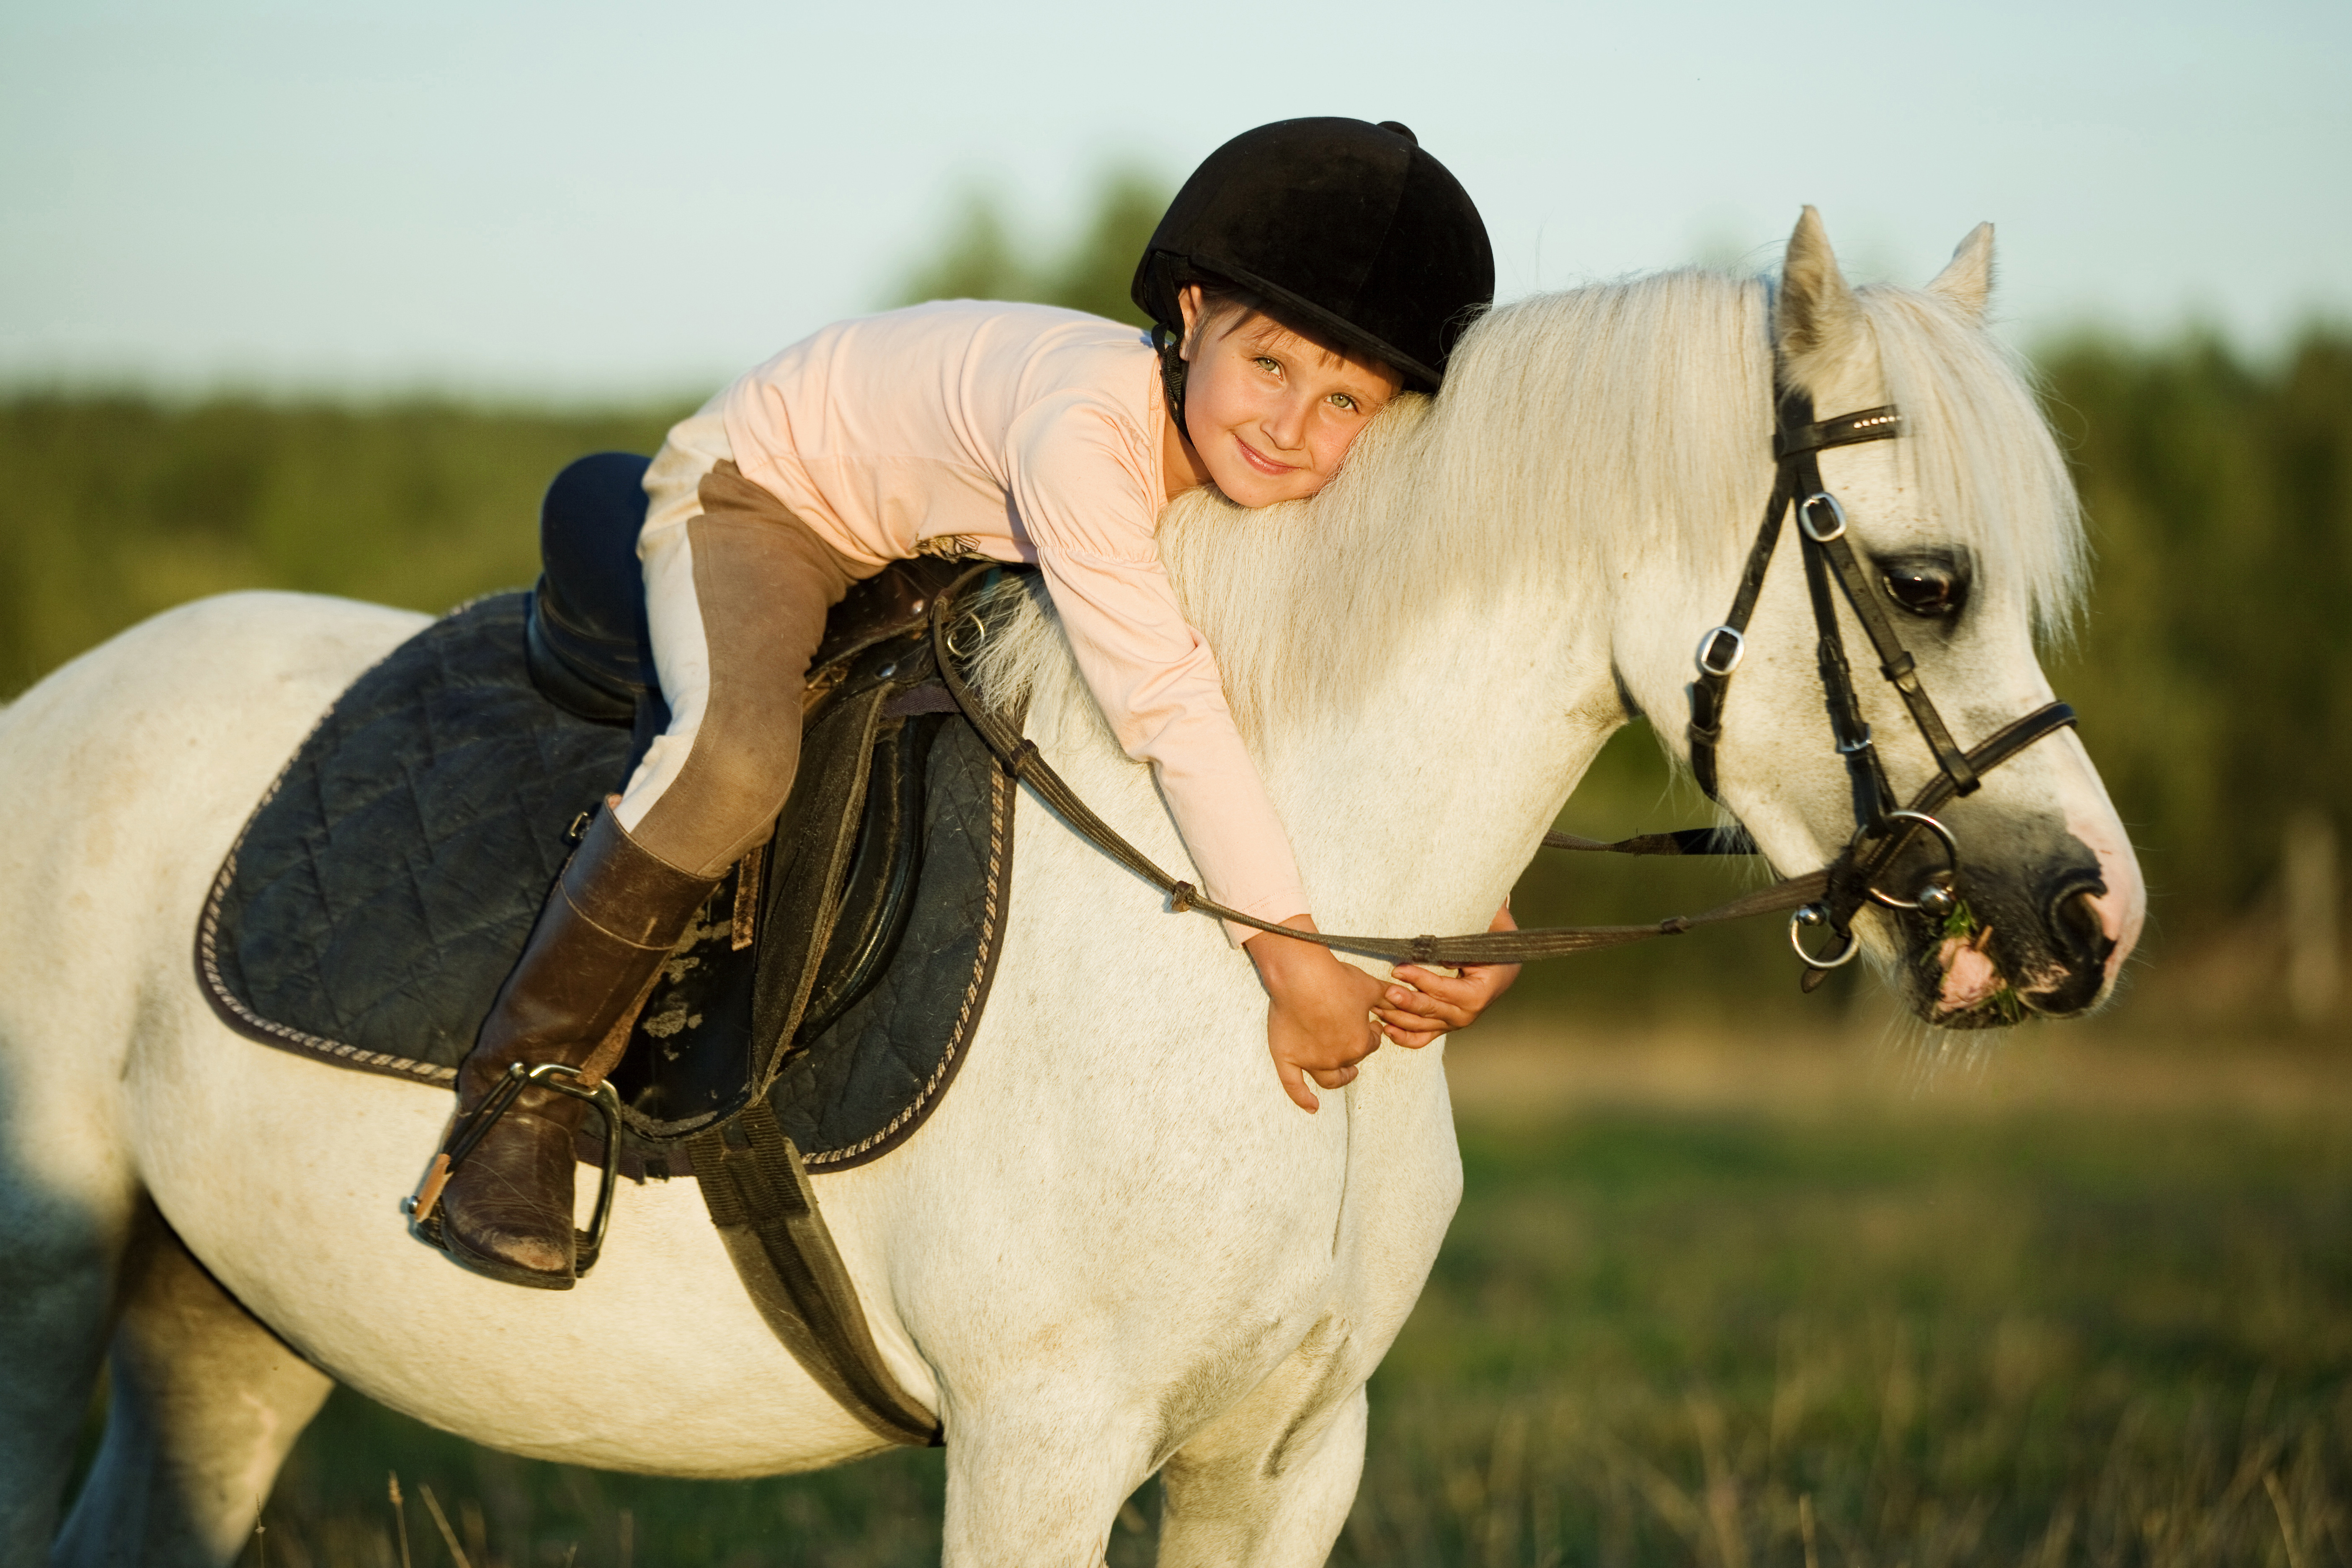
(1169, 346)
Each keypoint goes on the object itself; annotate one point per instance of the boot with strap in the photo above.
(572, 999)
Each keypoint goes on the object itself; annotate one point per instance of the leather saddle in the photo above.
(379, 895)
(836, 886)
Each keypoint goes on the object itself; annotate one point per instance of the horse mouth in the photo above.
(1972, 989)
(1967, 976)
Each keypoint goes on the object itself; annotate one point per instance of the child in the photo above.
(1307, 273)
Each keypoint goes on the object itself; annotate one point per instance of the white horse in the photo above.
(1115, 1248)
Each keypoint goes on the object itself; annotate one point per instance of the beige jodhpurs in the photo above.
(737, 589)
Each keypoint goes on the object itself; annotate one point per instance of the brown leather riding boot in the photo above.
(616, 913)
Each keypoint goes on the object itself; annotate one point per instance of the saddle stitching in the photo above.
(982, 965)
(232, 1008)
(234, 1011)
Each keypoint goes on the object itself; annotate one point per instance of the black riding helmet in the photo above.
(1347, 228)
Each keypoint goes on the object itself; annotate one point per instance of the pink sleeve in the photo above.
(1085, 486)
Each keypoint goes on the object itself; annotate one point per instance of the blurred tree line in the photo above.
(981, 259)
(2213, 669)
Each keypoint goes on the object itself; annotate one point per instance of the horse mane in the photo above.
(1577, 430)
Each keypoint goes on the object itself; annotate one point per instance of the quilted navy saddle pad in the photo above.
(385, 886)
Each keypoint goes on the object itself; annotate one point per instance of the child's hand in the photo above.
(1434, 1004)
(1319, 1020)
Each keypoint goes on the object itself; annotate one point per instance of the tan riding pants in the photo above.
(737, 590)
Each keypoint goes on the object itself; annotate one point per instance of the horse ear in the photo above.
(1967, 280)
(1817, 315)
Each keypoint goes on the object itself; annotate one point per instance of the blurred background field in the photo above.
(2085, 1300)
(1740, 1278)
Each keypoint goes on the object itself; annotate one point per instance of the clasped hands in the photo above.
(1324, 1017)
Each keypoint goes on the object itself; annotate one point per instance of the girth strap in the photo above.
(766, 1213)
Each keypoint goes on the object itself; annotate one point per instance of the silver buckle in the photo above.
(1828, 504)
(1724, 664)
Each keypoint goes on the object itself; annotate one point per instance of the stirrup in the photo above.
(424, 1209)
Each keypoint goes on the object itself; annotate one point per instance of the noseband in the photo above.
(1882, 829)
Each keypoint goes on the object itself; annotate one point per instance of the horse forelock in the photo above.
(1978, 449)
(1577, 430)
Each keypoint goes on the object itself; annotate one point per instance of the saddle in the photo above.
(817, 1009)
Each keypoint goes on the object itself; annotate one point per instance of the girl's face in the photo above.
(1270, 414)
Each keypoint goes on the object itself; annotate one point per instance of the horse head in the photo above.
(1964, 530)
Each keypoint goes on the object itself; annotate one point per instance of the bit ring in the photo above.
(1814, 915)
(1951, 851)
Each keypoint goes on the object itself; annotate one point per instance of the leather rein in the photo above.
(1831, 895)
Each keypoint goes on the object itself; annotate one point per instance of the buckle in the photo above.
(1720, 651)
(1825, 505)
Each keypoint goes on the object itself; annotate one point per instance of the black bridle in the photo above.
(1882, 828)
(1831, 896)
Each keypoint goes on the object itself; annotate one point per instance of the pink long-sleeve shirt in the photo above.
(1032, 435)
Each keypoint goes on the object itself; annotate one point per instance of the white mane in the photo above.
(1574, 429)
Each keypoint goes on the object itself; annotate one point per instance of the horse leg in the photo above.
(206, 1405)
(1271, 1481)
(1036, 1483)
(57, 1256)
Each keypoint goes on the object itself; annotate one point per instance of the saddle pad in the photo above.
(382, 889)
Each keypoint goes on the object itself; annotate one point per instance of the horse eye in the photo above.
(1925, 589)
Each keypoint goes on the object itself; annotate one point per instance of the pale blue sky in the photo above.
(591, 201)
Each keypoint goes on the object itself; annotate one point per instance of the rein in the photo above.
(1831, 895)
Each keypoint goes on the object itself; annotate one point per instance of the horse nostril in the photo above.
(2076, 929)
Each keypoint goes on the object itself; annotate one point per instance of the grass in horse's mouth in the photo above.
(1962, 933)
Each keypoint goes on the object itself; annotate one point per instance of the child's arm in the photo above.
(1435, 1004)
(1318, 1012)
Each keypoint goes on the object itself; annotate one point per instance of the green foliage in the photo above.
(1667, 1338)
(114, 508)
(981, 259)
(2214, 674)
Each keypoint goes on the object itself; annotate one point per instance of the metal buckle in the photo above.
(979, 629)
(1814, 915)
(1828, 503)
(1935, 896)
(1712, 642)
(1861, 742)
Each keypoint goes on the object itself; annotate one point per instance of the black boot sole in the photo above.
(432, 1230)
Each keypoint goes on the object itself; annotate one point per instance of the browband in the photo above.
(1878, 423)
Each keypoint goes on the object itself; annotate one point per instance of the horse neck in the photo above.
(1421, 657)
(1417, 718)
(1418, 806)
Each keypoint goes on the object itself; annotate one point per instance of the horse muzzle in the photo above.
(2034, 938)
